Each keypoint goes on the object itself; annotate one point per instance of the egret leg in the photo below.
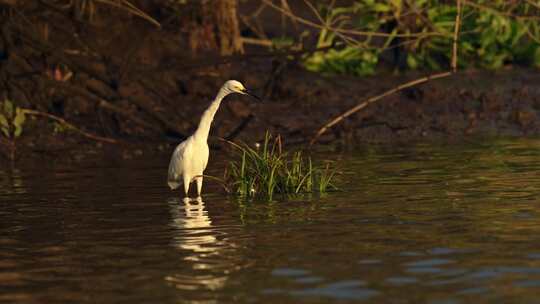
(187, 180)
(199, 180)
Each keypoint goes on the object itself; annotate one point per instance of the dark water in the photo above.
(421, 224)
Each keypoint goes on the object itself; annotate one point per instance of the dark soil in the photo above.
(143, 87)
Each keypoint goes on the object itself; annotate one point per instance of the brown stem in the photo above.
(10, 146)
(456, 36)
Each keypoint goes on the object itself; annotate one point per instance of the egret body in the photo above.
(190, 157)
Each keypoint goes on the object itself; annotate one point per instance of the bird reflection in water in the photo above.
(201, 248)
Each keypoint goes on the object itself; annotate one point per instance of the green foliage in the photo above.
(349, 60)
(492, 33)
(354, 58)
(11, 120)
(268, 170)
(489, 39)
(282, 42)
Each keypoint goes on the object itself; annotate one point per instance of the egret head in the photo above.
(234, 86)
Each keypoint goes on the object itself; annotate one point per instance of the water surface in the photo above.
(418, 224)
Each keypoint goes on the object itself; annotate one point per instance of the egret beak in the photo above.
(247, 92)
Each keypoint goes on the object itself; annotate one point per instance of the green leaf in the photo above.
(3, 121)
(4, 126)
(18, 131)
(380, 7)
(8, 108)
(412, 62)
(18, 122)
(20, 118)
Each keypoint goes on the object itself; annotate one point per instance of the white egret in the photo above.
(190, 157)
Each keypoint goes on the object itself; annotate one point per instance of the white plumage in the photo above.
(190, 157)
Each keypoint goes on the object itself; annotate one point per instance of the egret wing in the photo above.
(176, 166)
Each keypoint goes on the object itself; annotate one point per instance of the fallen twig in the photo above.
(256, 41)
(70, 126)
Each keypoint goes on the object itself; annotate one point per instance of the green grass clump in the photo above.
(267, 170)
(12, 120)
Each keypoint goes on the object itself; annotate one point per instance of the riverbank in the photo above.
(467, 105)
(121, 79)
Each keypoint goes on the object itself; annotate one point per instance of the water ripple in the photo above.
(416, 224)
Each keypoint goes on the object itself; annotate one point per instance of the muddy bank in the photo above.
(123, 79)
(468, 105)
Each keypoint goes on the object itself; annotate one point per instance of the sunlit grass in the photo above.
(267, 170)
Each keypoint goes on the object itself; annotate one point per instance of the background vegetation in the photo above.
(417, 34)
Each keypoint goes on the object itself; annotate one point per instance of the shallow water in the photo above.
(419, 224)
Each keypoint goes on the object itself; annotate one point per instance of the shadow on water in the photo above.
(419, 224)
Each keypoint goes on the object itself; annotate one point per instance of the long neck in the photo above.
(201, 134)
